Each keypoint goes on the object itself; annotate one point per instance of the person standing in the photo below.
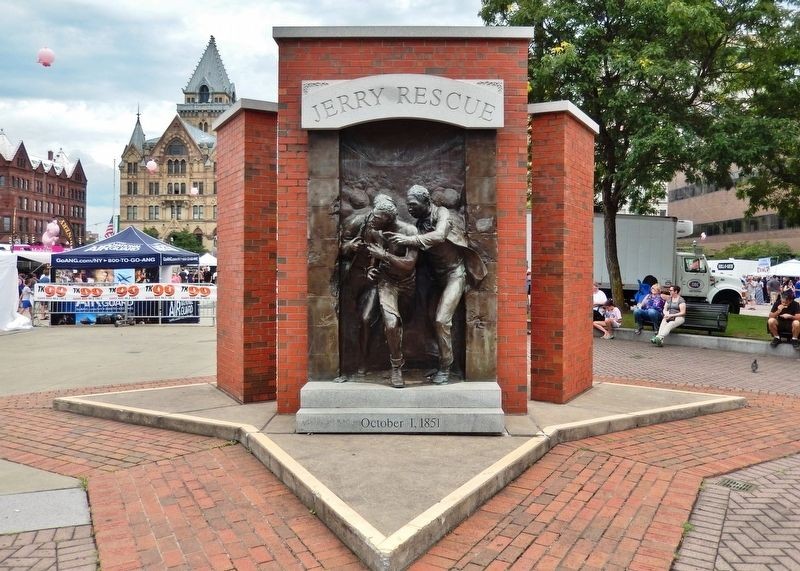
(443, 244)
(773, 289)
(674, 315)
(750, 288)
(26, 298)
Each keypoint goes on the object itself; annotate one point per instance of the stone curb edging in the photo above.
(733, 344)
(405, 545)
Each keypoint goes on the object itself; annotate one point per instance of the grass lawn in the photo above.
(741, 326)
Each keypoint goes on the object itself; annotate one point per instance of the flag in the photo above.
(109, 228)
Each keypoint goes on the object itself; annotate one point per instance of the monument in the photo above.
(375, 219)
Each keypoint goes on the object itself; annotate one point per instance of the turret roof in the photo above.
(137, 137)
(7, 148)
(210, 71)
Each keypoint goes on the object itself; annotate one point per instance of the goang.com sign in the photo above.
(136, 292)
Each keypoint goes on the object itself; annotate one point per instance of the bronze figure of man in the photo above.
(444, 244)
(389, 270)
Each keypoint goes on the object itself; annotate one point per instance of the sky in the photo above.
(115, 57)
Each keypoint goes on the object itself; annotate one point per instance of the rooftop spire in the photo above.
(210, 71)
(137, 137)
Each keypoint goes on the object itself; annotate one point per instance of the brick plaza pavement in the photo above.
(166, 500)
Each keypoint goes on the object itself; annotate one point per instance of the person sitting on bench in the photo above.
(674, 315)
(785, 315)
(649, 309)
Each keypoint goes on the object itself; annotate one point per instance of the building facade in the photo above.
(719, 214)
(35, 191)
(168, 183)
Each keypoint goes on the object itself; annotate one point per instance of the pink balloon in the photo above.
(46, 57)
(151, 166)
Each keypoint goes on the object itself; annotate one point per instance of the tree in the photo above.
(753, 251)
(188, 241)
(670, 84)
(150, 231)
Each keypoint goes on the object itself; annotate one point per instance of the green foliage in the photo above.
(674, 85)
(753, 251)
(186, 240)
(150, 231)
(691, 86)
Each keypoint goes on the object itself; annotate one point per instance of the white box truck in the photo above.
(646, 250)
(736, 268)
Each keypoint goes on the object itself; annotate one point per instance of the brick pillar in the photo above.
(246, 237)
(562, 174)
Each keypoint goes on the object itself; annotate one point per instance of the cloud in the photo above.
(113, 58)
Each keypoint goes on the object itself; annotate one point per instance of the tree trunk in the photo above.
(612, 260)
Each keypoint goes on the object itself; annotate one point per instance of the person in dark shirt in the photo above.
(785, 315)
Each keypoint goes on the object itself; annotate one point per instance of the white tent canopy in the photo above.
(41, 257)
(790, 268)
(207, 260)
(9, 295)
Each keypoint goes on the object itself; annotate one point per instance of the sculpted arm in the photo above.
(428, 240)
(350, 239)
(439, 234)
(406, 262)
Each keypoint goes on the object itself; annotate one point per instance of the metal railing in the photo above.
(125, 312)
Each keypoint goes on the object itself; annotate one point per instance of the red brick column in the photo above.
(246, 234)
(562, 174)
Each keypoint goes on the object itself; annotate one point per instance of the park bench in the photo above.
(708, 317)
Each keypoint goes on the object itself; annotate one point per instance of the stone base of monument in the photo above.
(371, 406)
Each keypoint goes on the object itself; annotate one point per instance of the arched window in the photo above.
(183, 167)
(203, 94)
(176, 147)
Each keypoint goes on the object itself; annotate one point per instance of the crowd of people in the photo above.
(757, 290)
(666, 310)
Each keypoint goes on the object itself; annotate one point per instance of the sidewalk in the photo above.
(391, 497)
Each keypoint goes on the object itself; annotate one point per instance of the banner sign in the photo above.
(124, 292)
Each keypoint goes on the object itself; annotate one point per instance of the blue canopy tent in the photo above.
(130, 248)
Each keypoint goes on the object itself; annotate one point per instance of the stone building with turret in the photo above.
(168, 182)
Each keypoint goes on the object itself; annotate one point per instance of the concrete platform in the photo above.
(389, 497)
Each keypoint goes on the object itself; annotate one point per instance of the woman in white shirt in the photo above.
(598, 299)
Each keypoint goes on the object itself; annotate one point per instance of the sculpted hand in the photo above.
(399, 239)
(372, 274)
(353, 245)
(376, 251)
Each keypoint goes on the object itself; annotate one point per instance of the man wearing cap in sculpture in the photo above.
(443, 242)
